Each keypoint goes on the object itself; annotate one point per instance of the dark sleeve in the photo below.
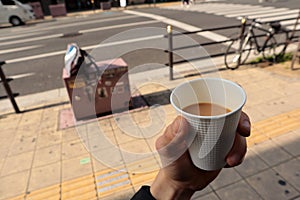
(143, 194)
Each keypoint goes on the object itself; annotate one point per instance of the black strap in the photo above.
(143, 194)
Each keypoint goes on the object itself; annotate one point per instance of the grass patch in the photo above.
(279, 59)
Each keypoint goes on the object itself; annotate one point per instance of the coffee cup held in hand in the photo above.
(212, 106)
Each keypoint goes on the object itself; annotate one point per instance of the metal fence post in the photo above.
(7, 88)
(170, 36)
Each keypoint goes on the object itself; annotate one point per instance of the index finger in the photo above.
(244, 126)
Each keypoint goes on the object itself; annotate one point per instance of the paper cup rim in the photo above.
(212, 116)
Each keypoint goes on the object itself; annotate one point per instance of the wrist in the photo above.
(164, 189)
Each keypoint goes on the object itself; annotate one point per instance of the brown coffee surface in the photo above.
(206, 109)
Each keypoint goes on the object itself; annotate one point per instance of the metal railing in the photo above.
(170, 35)
(7, 89)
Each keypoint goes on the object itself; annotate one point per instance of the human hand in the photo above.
(180, 179)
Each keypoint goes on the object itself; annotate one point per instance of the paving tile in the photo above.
(48, 138)
(141, 116)
(105, 125)
(255, 114)
(209, 196)
(47, 155)
(270, 185)
(17, 163)
(48, 125)
(289, 142)
(251, 165)
(110, 157)
(140, 179)
(50, 193)
(137, 146)
(45, 176)
(271, 153)
(124, 195)
(5, 144)
(156, 127)
(226, 177)
(75, 167)
(99, 142)
(22, 144)
(142, 164)
(93, 128)
(17, 180)
(262, 96)
(73, 149)
(31, 117)
(1, 163)
(290, 171)
(98, 166)
(9, 123)
(69, 134)
(125, 136)
(269, 110)
(202, 193)
(240, 189)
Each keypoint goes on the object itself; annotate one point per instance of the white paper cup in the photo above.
(213, 135)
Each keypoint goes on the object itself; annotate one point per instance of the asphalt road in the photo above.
(35, 52)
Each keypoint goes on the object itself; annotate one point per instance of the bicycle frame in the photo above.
(252, 36)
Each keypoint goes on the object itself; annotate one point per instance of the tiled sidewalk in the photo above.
(39, 160)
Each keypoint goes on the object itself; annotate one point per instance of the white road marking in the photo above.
(21, 75)
(56, 53)
(261, 11)
(282, 11)
(207, 34)
(44, 55)
(14, 36)
(86, 23)
(81, 31)
(264, 14)
(278, 18)
(19, 49)
(32, 39)
(117, 26)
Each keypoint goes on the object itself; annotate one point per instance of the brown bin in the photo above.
(90, 100)
(37, 9)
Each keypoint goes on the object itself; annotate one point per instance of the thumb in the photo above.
(173, 143)
(174, 134)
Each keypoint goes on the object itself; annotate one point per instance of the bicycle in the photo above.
(242, 46)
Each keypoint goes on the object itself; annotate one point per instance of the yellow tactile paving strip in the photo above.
(274, 126)
(111, 181)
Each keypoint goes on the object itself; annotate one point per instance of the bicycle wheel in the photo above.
(271, 49)
(235, 57)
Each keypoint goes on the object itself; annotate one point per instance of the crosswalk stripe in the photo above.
(288, 22)
(278, 18)
(265, 14)
(277, 13)
(239, 9)
(261, 11)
